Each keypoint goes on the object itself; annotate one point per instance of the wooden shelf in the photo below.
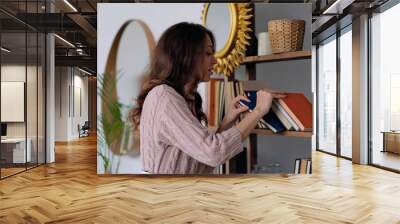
(300, 134)
(278, 57)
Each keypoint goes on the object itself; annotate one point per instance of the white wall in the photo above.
(158, 17)
(16, 73)
(33, 125)
(67, 81)
(12, 73)
(61, 103)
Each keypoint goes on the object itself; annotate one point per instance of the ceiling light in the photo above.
(84, 71)
(70, 5)
(65, 41)
(5, 50)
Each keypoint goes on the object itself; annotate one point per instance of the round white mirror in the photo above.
(128, 58)
(220, 20)
(133, 55)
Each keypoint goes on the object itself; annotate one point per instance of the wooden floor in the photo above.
(70, 191)
(10, 171)
(386, 159)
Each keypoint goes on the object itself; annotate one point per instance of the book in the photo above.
(281, 116)
(221, 99)
(286, 115)
(273, 122)
(296, 166)
(302, 166)
(309, 171)
(305, 166)
(216, 102)
(270, 119)
(212, 102)
(299, 109)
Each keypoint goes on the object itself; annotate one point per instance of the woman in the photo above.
(173, 135)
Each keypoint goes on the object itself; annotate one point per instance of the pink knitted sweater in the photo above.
(173, 141)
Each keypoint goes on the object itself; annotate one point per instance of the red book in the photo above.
(299, 109)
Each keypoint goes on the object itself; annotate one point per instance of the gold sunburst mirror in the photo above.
(230, 24)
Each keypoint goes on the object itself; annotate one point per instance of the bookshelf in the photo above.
(295, 55)
(250, 69)
(300, 134)
(250, 63)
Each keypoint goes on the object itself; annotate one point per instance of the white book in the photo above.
(281, 116)
(291, 121)
(309, 167)
(297, 166)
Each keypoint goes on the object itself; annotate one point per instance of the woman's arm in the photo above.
(181, 129)
(264, 102)
(225, 125)
(249, 122)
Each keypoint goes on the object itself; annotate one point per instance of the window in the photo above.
(327, 96)
(333, 137)
(385, 85)
(346, 75)
(22, 66)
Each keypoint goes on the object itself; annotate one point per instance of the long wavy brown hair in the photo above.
(174, 62)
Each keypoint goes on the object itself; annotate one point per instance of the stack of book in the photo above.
(221, 94)
(302, 166)
(292, 113)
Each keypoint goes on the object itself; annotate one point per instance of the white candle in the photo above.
(264, 44)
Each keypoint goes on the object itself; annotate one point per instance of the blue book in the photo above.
(270, 119)
(252, 96)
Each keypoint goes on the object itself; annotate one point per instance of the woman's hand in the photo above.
(235, 109)
(264, 99)
(264, 102)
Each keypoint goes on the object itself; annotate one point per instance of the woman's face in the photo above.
(207, 60)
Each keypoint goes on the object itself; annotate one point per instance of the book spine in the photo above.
(309, 167)
(281, 117)
(211, 113)
(291, 114)
(297, 166)
(291, 121)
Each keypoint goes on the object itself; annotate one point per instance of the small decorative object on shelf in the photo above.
(264, 44)
(286, 35)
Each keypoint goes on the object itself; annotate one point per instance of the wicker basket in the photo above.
(286, 35)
